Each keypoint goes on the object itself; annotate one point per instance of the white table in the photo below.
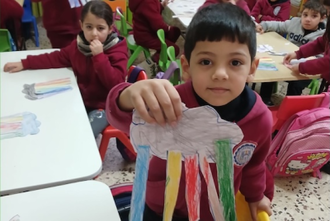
(64, 150)
(82, 201)
(185, 10)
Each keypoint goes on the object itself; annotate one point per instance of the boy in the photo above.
(271, 10)
(219, 58)
(147, 20)
(299, 31)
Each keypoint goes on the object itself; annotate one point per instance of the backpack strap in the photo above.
(134, 74)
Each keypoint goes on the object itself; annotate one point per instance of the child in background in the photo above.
(240, 3)
(60, 21)
(219, 58)
(271, 10)
(315, 66)
(10, 18)
(98, 58)
(299, 32)
(147, 20)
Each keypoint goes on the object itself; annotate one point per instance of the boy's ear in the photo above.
(253, 69)
(110, 29)
(185, 68)
(81, 24)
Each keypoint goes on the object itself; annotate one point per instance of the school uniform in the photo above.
(271, 11)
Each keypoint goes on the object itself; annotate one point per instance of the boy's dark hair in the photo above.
(99, 9)
(221, 21)
(316, 6)
(326, 2)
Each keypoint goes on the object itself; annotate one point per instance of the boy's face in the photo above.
(310, 19)
(219, 70)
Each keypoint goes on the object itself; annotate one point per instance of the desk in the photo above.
(83, 201)
(20, 2)
(279, 44)
(64, 150)
(185, 10)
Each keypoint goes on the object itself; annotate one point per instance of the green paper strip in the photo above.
(224, 161)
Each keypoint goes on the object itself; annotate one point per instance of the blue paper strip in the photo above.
(140, 183)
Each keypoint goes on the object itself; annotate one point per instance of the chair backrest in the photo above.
(177, 75)
(293, 104)
(27, 6)
(4, 40)
(135, 74)
(163, 58)
(123, 26)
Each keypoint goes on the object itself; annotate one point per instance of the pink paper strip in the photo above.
(215, 206)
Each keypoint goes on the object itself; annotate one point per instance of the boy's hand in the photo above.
(259, 29)
(13, 67)
(96, 47)
(156, 95)
(287, 58)
(262, 205)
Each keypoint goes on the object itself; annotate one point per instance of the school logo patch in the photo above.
(243, 153)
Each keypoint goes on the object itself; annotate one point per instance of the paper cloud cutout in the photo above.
(198, 130)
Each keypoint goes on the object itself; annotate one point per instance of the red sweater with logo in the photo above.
(60, 17)
(249, 177)
(240, 3)
(319, 65)
(96, 75)
(279, 11)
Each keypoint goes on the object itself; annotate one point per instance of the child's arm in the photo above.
(283, 14)
(154, 99)
(256, 11)
(277, 26)
(312, 48)
(253, 182)
(56, 59)
(111, 70)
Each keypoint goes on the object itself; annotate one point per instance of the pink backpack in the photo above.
(302, 145)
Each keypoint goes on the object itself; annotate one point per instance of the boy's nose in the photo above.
(94, 32)
(220, 74)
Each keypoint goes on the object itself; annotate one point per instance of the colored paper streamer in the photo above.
(215, 207)
(193, 187)
(172, 183)
(224, 162)
(140, 183)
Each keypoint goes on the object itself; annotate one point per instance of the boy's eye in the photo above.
(88, 26)
(101, 28)
(236, 63)
(205, 62)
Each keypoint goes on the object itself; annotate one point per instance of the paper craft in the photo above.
(201, 137)
(46, 89)
(264, 48)
(267, 66)
(19, 125)
(295, 61)
(277, 53)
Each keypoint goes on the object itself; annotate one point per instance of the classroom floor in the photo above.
(298, 198)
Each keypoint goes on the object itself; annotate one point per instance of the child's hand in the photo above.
(96, 47)
(259, 29)
(13, 67)
(156, 95)
(287, 58)
(294, 68)
(262, 205)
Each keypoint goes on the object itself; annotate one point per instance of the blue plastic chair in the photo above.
(29, 18)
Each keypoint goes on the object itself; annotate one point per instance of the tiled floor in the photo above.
(299, 198)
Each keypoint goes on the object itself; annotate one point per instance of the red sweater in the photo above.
(319, 65)
(249, 178)
(60, 17)
(240, 3)
(279, 11)
(96, 75)
(10, 9)
(147, 20)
